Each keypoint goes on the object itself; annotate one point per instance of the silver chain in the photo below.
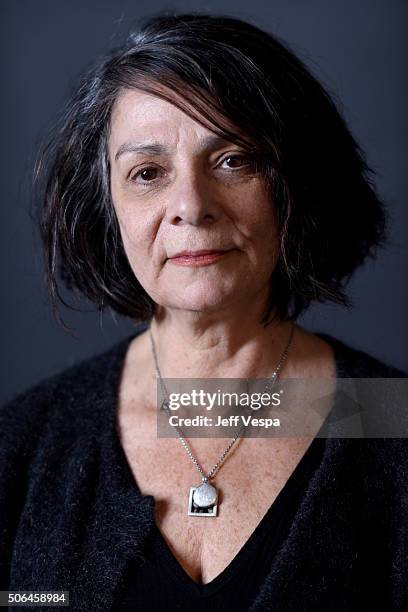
(165, 406)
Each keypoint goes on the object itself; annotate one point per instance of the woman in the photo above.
(202, 183)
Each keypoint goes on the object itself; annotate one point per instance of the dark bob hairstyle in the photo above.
(222, 72)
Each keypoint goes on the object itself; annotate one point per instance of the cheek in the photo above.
(256, 219)
(134, 230)
(137, 229)
(138, 236)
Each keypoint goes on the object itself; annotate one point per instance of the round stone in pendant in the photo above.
(205, 496)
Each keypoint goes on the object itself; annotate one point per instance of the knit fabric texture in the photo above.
(72, 516)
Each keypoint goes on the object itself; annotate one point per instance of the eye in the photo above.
(145, 175)
(235, 161)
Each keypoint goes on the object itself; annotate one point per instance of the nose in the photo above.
(193, 201)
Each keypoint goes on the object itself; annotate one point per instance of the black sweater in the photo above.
(72, 517)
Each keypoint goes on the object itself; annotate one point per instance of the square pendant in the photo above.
(193, 511)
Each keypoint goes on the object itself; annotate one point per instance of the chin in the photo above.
(203, 300)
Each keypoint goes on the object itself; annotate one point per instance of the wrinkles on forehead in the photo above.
(196, 103)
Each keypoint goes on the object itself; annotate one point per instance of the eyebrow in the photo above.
(157, 148)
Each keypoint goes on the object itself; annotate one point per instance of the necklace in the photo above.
(204, 498)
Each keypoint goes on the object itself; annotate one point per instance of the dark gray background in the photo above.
(357, 49)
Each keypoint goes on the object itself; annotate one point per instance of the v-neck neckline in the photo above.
(131, 487)
(274, 517)
(123, 515)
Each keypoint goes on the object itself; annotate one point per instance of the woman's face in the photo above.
(177, 187)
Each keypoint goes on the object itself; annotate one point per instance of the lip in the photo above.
(203, 257)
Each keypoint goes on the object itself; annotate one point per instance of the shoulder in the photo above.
(69, 395)
(353, 362)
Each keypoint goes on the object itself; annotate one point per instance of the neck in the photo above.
(196, 346)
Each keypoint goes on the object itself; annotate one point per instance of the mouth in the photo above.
(198, 258)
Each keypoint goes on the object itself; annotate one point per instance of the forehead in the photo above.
(137, 116)
(136, 113)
